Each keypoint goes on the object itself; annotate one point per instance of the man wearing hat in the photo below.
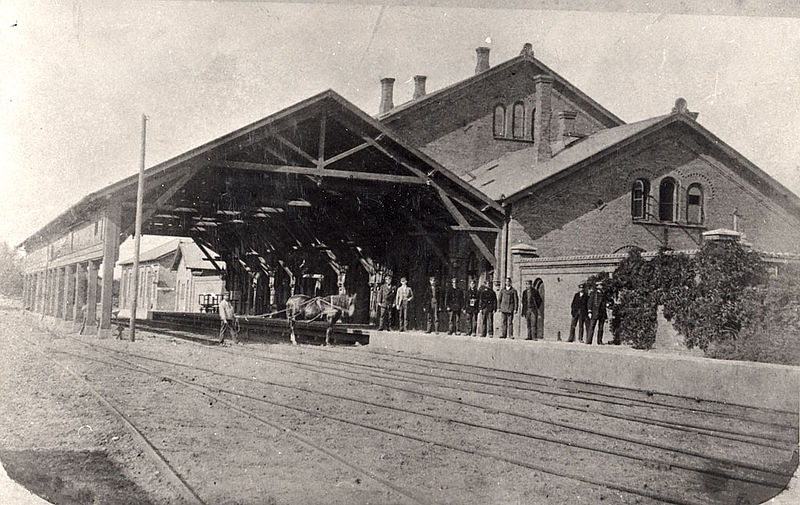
(597, 314)
(508, 301)
(454, 304)
(387, 295)
(531, 303)
(580, 310)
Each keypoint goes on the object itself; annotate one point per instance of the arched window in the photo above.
(639, 193)
(694, 204)
(499, 121)
(518, 120)
(666, 200)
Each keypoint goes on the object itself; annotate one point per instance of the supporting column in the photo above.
(69, 296)
(50, 291)
(111, 229)
(59, 294)
(78, 304)
(38, 293)
(91, 300)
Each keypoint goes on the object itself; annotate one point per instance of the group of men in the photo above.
(589, 312)
(477, 303)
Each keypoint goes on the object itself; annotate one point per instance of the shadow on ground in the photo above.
(73, 477)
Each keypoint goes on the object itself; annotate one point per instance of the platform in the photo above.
(760, 385)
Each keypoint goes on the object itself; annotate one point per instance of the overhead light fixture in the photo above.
(184, 210)
(298, 203)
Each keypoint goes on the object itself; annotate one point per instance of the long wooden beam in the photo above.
(166, 195)
(207, 255)
(283, 140)
(476, 229)
(340, 156)
(316, 172)
(462, 221)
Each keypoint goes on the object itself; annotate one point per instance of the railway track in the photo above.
(704, 465)
(769, 477)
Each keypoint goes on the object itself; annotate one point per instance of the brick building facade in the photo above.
(580, 186)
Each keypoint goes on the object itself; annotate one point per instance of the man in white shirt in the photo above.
(227, 319)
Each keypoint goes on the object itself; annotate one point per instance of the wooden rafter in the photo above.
(462, 221)
(197, 240)
(345, 154)
(476, 229)
(283, 140)
(164, 197)
(316, 172)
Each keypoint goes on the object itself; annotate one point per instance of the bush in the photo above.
(710, 298)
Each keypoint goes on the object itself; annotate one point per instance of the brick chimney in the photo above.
(541, 117)
(566, 124)
(387, 90)
(483, 59)
(419, 86)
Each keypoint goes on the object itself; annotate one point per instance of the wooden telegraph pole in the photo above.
(138, 232)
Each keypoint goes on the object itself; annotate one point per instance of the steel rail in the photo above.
(182, 487)
(503, 411)
(206, 391)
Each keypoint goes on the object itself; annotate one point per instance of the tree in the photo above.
(11, 276)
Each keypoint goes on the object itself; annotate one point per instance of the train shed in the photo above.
(316, 196)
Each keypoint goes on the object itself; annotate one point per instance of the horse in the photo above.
(306, 308)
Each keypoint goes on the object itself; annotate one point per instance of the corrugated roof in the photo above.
(518, 170)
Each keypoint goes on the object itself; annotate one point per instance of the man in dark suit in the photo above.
(597, 314)
(387, 295)
(454, 303)
(487, 303)
(507, 303)
(531, 303)
(580, 310)
(471, 305)
(432, 305)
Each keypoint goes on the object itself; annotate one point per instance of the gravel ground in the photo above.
(60, 442)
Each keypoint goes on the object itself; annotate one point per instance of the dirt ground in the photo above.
(60, 442)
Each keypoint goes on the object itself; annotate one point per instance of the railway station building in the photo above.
(510, 172)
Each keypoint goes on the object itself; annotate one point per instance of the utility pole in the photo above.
(137, 237)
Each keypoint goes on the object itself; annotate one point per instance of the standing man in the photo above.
(531, 303)
(487, 303)
(472, 308)
(597, 314)
(580, 311)
(432, 304)
(227, 319)
(508, 303)
(402, 300)
(454, 303)
(387, 298)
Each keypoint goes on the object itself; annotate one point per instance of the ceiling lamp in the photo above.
(298, 203)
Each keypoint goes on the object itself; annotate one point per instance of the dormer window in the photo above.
(518, 120)
(499, 126)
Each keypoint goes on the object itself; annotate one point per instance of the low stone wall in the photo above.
(736, 382)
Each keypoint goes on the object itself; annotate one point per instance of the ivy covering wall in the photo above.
(722, 301)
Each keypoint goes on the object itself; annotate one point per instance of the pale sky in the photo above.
(77, 75)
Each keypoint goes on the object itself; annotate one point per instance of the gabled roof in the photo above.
(514, 175)
(179, 248)
(204, 154)
(193, 257)
(517, 171)
(156, 253)
(522, 60)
